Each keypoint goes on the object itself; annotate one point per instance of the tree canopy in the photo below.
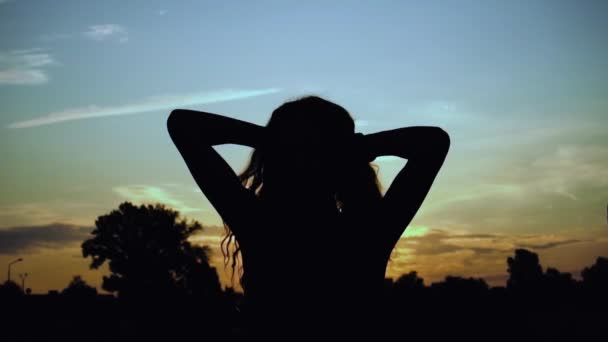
(148, 253)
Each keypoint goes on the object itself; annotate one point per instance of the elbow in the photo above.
(185, 125)
(442, 139)
(175, 120)
(438, 143)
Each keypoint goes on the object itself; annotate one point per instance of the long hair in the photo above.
(362, 190)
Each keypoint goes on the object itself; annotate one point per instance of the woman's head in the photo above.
(306, 155)
(306, 143)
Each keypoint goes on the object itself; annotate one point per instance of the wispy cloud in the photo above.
(440, 241)
(153, 194)
(146, 105)
(541, 187)
(28, 213)
(162, 12)
(107, 31)
(77, 212)
(437, 252)
(570, 166)
(24, 67)
(113, 32)
(28, 238)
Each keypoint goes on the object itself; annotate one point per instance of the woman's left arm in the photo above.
(194, 133)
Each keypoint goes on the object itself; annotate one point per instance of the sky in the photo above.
(520, 86)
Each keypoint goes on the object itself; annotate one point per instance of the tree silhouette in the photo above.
(407, 289)
(558, 281)
(525, 271)
(79, 288)
(409, 281)
(149, 254)
(560, 309)
(10, 289)
(595, 277)
(462, 286)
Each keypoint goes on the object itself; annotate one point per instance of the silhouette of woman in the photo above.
(314, 231)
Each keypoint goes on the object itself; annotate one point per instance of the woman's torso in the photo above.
(305, 268)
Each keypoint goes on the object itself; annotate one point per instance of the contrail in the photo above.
(146, 105)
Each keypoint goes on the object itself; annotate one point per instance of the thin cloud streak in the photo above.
(147, 105)
(147, 193)
(54, 235)
(24, 67)
(436, 253)
(104, 31)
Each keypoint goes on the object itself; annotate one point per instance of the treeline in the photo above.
(534, 305)
(166, 289)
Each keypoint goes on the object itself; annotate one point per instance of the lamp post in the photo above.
(23, 276)
(9, 267)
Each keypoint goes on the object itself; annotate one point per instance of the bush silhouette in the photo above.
(78, 288)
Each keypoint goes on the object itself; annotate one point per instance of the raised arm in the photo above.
(425, 149)
(194, 133)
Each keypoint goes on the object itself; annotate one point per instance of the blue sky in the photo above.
(521, 86)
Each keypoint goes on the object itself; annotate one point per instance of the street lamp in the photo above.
(9, 267)
(23, 276)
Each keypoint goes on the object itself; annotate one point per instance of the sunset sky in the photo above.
(520, 86)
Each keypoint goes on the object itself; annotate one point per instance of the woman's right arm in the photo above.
(216, 129)
(425, 148)
(194, 133)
